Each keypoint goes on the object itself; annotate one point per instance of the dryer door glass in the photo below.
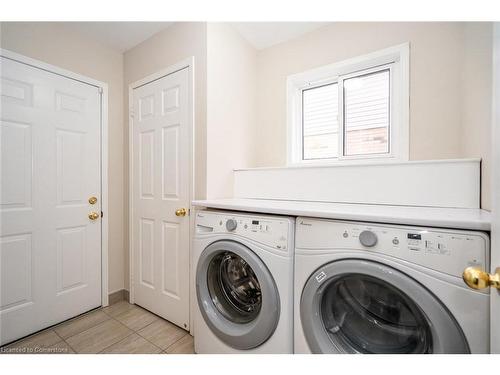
(367, 315)
(234, 287)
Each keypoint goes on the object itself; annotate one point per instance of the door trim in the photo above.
(189, 64)
(103, 90)
(495, 190)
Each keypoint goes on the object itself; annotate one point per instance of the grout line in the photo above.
(110, 317)
(123, 324)
(74, 351)
(133, 331)
(85, 330)
(159, 319)
(52, 327)
(176, 341)
(102, 350)
(67, 343)
(156, 346)
(75, 318)
(130, 334)
(147, 325)
(109, 314)
(92, 328)
(162, 350)
(137, 333)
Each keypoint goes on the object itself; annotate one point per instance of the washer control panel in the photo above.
(448, 251)
(271, 231)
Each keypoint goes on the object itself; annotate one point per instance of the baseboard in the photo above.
(119, 295)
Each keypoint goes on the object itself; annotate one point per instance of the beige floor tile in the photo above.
(183, 346)
(81, 324)
(118, 308)
(136, 318)
(162, 333)
(133, 344)
(31, 344)
(99, 337)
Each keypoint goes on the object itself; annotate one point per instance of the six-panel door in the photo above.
(50, 251)
(161, 165)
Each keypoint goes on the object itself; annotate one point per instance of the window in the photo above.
(319, 122)
(356, 109)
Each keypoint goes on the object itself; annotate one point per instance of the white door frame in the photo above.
(103, 89)
(189, 64)
(495, 191)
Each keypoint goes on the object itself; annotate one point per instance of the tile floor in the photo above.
(121, 328)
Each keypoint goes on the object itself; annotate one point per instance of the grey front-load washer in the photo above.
(237, 294)
(363, 306)
(387, 289)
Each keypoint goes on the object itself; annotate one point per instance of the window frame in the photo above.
(396, 59)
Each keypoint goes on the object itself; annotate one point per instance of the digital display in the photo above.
(255, 222)
(413, 236)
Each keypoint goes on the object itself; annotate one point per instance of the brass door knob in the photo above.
(93, 215)
(93, 200)
(476, 278)
(181, 212)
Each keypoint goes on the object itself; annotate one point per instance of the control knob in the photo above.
(368, 238)
(231, 225)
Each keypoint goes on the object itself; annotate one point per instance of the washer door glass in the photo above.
(237, 295)
(234, 287)
(368, 315)
(363, 306)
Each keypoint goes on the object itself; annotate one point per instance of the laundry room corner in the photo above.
(211, 187)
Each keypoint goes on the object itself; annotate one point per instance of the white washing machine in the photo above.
(369, 288)
(244, 283)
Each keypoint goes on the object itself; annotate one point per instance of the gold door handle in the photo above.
(93, 200)
(181, 212)
(93, 215)
(476, 278)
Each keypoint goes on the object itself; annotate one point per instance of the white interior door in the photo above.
(161, 185)
(50, 251)
(495, 228)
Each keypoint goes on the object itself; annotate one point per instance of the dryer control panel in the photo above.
(448, 251)
(271, 231)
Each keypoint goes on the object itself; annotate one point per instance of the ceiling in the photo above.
(266, 34)
(121, 36)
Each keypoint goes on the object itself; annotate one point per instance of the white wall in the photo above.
(176, 43)
(231, 104)
(444, 123)
(476, 99)
(56, 45)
